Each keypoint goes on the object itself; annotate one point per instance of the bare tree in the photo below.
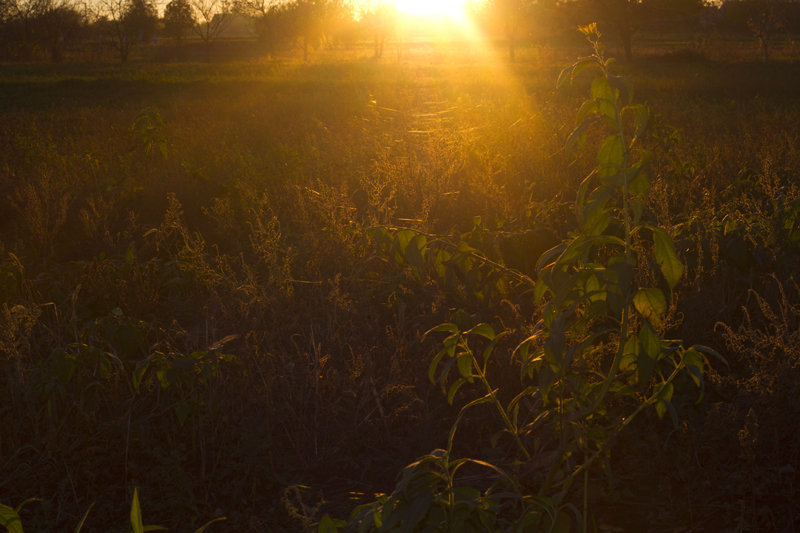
(212, 18)
(764, 23)
(21, 16)
(379, 17)
(512, 16)
(308, 19)
(270, 21)
(128, 22)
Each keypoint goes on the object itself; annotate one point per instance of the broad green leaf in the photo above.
(710, 351)
(694, 364)
(667, 259)
(539, 291)
(465, 365)
(139, 372)
(639, 184)
(641, 116)
(563, 523)
(10, 519)
(623, 86)
(650, 349)
(588, 107)
(545, 259)
(601, 89)
(414, 255)
(451, 393)
(583, 64)
(651, 304)
(326, 525)
(611, 156)
(484, 330)
(663, 395)
(487, 352)
(434, 364)
(630, 354)
(596, 218)
(568, 74)
(447, 327)
(578, 135)
(565, 76)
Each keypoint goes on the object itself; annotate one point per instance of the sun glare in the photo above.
(433, 9)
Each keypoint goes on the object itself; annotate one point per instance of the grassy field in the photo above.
(193, 304)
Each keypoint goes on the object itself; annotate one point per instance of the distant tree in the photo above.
(621, 17)
(308, 19)
(21, 18)
(512, 17)
(58, 26)
(763, 19)
(270, 21)
(128, 22)
(764, 23)
(140, 19)
(212, 17)
(6, 11)
(379, 18)
(178, 19)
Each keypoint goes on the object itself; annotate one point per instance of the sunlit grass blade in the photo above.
(83, 520)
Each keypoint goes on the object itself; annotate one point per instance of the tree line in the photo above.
(53, 29)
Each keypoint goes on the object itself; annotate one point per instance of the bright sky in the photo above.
(449, 9)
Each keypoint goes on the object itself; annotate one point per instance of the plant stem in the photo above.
(506, 419)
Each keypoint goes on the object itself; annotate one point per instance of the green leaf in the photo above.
(539, 290)
(484, 330)
(667, 259)
(447, 328)
(623, 86)
(611, 156)
(694, 364)
(601, 89)
(489, 349)
(663, 395)
(596, 217)
(641, 116)
(578, 135)
(630, 354)
(569, 73)
(10, 519)
(139, 372)
(465, 365)
(136, 513)
(588, 107)
(329, 525)
(710, 351)
(434, 364)
(451, 393)
(651, 304)
(650, 349)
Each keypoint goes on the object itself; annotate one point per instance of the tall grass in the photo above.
(213, 324)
